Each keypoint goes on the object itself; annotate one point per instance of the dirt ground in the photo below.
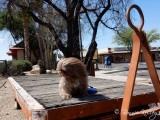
(7, 103)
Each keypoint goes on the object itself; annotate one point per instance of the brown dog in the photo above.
(74, 80)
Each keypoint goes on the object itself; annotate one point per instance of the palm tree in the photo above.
(152, 35)
(124, 37)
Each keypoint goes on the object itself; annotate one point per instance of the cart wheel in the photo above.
(17, 106)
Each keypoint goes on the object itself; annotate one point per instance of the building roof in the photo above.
(15, 48)
(103, 51)
(120, 50)
(18, 46)
(9, 52)
(95, 54)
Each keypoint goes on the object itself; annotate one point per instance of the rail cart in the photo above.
(38, 95)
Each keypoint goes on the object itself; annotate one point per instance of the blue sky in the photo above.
(5, 41)
(151, 11)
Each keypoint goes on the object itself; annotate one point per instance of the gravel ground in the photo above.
(7, 108)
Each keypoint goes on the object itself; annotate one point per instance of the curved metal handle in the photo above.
(141, 16)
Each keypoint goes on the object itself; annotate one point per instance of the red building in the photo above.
(17, 52)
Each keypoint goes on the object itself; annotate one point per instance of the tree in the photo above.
(39, 37)
(92, 12)
(25, 20)
(152, 35)
(12, 23)
(124, 37)
(21, 28)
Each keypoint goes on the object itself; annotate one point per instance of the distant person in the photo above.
(107, 62)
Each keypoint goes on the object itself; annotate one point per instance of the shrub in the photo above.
(17, 67)
(2, 67)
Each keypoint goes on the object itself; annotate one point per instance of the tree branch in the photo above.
(90, 22)
(67, 4)
(57, 9)
(74, 4)
(3, 84)
(48, 25)
(93, 45)
(102, 13)
(112, 28)
(77, 14)
(12, 19)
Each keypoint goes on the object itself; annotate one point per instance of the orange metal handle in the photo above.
(141, 16)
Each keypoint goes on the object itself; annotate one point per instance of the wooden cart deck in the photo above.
(38, 97)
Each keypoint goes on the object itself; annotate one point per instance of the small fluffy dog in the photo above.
(74, 80)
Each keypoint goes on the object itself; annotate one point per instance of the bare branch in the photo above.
(74, 4)
(102, 13)
(77, 14)
(57, 9)
(85, 10)
(48, 25)
(112, 28)
(3, 85)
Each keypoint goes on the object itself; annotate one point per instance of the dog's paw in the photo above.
(66, 96)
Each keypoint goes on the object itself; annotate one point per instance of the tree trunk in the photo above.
(90, 53)
(41, 43)
(40, 32)
(73, 43)
(26, 36)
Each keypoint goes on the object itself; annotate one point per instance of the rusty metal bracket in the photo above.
(139, 43)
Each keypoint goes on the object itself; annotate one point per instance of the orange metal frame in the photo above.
(139, 43)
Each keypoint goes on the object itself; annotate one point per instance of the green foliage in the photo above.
(124, 38)
(152, 36)
(2, 67)
(17, 67)
(2, 19)
(11, 23)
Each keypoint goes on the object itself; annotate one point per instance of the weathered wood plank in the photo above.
(44, 88)
(97, 107)
(31, 108)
